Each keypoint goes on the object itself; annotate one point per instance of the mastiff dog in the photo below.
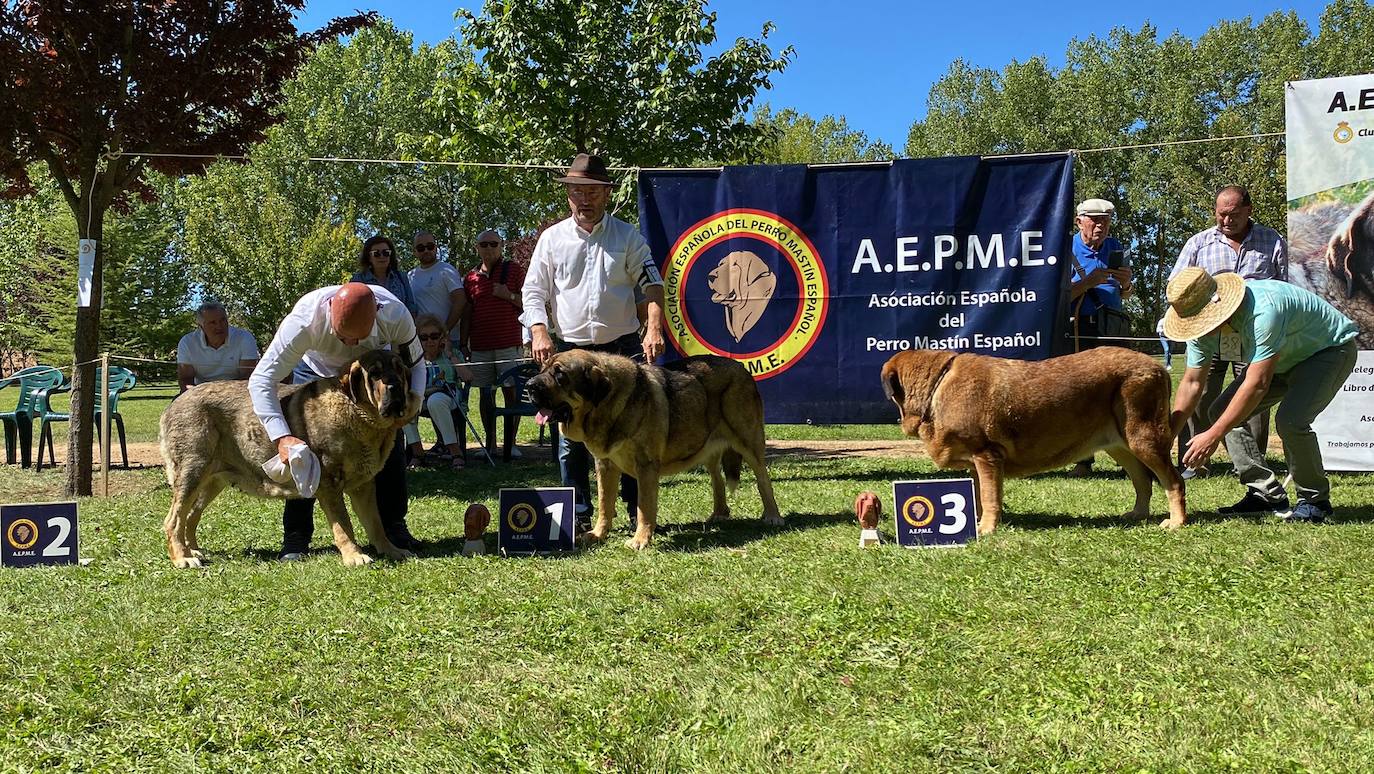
(211, 439)
(650, 421)
(1004, 418)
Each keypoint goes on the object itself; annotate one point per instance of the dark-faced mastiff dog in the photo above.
(650, 421)
(211, 439)
(1004, 418)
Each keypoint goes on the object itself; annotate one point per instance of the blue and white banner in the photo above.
(1330, 142)
(814, 276)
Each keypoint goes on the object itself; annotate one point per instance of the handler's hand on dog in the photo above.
(541, 344)
(284, 445)
(1201, 448)
(653, 344)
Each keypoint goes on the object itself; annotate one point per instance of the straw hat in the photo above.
(1199, 303)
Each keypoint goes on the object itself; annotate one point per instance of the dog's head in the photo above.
(571, 384)
(1350, 253)
(378, 383)
(909, 379)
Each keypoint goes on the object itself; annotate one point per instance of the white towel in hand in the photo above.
(302, 467)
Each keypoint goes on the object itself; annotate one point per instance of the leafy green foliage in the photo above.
(624, 78)
(797, 138)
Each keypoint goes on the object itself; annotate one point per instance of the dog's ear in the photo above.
(598, 386)
(1350, 254)
(892, 386)
(353, 381)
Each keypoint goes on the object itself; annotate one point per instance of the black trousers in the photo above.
(393, 501)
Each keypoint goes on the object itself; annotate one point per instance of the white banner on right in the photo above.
(1331, 238)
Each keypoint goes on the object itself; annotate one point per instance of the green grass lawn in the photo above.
(1069, 640)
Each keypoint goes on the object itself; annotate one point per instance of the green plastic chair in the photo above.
(121, 380)
(19, 423)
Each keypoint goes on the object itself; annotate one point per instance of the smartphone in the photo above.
(1116, 259)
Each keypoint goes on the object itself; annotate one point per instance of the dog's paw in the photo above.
(400, 555)
(985, 528)
(638, 542)
(197, 553)
(718, 516)
(189, 562)
(356, 560)
(1134, 514)
(1170, 524)
(591, 538)
(772, 519)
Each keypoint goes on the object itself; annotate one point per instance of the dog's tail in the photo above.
(731, 462)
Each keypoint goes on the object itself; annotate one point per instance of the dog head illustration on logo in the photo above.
(743, 284)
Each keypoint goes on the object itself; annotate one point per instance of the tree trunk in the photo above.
(79, 439)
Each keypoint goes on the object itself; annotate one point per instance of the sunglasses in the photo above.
(425, 247)
(380, 253)
(431, 336)
(488, 244)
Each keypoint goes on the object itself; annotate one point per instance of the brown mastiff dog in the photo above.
(1013, 418)
(650, 421)
(211, 439)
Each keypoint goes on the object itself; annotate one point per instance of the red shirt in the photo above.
(495, 322)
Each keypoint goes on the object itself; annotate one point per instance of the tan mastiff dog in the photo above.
(211, 438)
(1003, 418)
(650, 421)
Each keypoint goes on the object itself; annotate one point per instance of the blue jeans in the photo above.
(574, 461)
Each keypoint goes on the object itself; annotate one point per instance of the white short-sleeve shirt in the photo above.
(432, 288)
(214, 364)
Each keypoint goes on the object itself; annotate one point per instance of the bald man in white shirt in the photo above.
(585, 269)
(325, 331)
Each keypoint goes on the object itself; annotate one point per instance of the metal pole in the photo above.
(103, 403)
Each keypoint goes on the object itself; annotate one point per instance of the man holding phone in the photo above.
(1101, 278)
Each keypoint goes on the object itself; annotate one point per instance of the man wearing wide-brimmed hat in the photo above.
(1299, 350)
(580, 288)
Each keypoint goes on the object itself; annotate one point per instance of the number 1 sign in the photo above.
(939, 512)
(43, 533)
(536, 521)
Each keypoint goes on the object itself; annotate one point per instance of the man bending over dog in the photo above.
(326, 330)
(1299, 350)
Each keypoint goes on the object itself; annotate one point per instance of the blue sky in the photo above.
(874, 61)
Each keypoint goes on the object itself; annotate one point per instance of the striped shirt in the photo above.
(1281, 321)
(1263, 254)
(495, 322)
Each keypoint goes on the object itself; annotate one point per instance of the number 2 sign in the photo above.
(33, 534)
(940, 512)
(536, 521)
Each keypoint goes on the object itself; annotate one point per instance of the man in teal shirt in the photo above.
(1300, 350)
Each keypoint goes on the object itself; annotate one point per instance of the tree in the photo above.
(89, 83)
(624, 78)
(797, 138)
(1133, 88)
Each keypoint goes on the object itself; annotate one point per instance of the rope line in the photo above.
(636, 170)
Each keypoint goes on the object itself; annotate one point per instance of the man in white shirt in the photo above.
(325, 331)
(438, 286)
(216, 351)
(586, 269)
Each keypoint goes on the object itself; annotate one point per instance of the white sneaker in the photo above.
(515, 453)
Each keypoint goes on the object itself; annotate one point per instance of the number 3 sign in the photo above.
(536, 521)
(38, 534)
(935, 513)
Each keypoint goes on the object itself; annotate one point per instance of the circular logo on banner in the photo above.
(1343, 133)
(22, 534)
(521, 517)
(747, 285)
(918, 511)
